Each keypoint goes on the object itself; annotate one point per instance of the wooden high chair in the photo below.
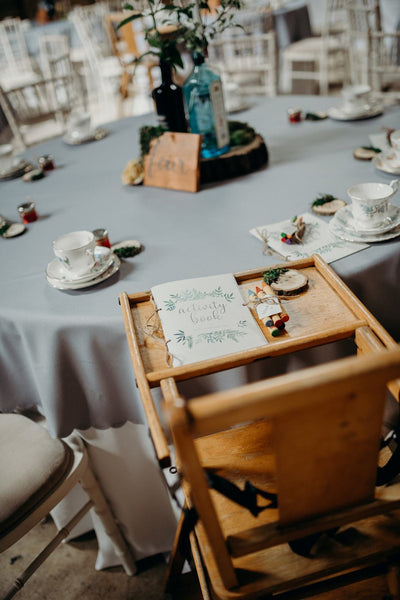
(312, 437)
(309, 438)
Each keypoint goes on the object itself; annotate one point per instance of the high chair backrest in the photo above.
(325, 425)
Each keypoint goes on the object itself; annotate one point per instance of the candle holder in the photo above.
(101, 237)
(46, 162)
(27, 212)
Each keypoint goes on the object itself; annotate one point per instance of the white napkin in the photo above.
(317, 240)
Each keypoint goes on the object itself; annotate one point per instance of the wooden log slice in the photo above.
(289, 283)
(329, 208)
(240, 160)
(364, 153)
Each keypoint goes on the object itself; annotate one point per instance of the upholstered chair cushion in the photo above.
(32, 464)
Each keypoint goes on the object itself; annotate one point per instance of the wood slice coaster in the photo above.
(329, 208)
(290, 283)
(364, 153)
(240, 160)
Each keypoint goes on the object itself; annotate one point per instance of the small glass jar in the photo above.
(101, 237)
(46, 162)
(294, 115)
(27, 212)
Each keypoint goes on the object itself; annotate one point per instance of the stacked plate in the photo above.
(344, 226)
(75, 139)
(18, 168)
(106, 264)
(344, 112)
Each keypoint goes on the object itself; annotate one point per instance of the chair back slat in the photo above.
(325, 424)
(327, 454)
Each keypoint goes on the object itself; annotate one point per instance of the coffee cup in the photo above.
(370, 203)
(395, 143)
(6, 156)
(75, 251)
(79, 125)
(356, 97)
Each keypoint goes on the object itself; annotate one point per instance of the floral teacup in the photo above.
(75, 251)
(370, 203)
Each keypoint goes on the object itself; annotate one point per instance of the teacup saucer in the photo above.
(96, 134)
(387, 162)
(341, 113)
(113, 267)
(17, 169)
(344, 218)
(56, 271)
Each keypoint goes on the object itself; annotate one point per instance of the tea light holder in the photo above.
(101, 237)
(46, 162)
(27, 212)
(294, 115)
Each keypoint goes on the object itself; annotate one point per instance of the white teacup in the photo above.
(356, 97)
(6, 157)
(75, 251)
(370, 203)
(79, 125)
(395, 143)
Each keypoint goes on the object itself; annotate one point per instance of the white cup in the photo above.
(75, 251)
(356, 97)
(370, 203)
(79, 125)
(395, 143)
(6, 156)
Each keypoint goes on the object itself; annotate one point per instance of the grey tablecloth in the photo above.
(66, 351)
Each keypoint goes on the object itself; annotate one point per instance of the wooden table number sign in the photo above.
(174, 162)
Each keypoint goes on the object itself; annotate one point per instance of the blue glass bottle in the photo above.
(205, 106)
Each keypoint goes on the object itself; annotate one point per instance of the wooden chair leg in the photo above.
(393, 579)
(176, 560)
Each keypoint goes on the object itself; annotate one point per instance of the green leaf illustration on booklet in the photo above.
(204, 318)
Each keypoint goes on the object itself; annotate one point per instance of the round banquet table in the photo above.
(66, 351)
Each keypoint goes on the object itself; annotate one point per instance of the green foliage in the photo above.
(189, 28)
(376, 150)
(127, 251)
(273, 275)
(323, 199)
(240, 133)
(4, 228)
(146, 134)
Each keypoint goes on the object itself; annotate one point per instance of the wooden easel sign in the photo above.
(174, 162)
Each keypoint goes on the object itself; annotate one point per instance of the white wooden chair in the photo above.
(50, 100)
(102, 68)
(324, 58)
(364, 18)
(16, 66)
(247, 60)
(55, 61)
(36, 473)
(374, 53)
(384, 63)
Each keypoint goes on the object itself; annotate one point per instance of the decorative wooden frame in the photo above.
(327, 311)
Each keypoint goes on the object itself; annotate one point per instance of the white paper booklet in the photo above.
(318, 239)
(204, 318)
